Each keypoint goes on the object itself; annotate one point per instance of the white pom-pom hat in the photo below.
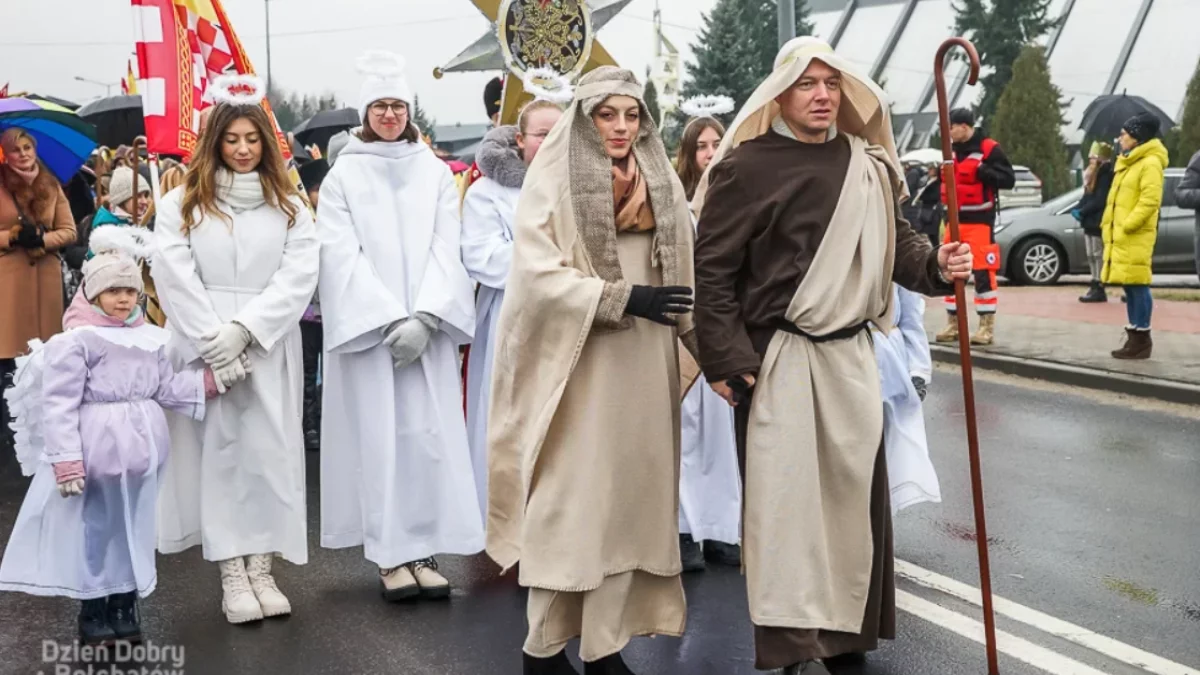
(237, 89)
(117, 249)
(384, 79)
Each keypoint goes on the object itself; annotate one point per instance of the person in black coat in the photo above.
(1187, 196)
(1097, 181)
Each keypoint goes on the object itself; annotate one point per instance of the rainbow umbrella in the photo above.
(64, 142)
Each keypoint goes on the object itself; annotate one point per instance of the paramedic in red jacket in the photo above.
(981, 171)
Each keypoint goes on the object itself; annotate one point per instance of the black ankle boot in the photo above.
(723, 554)
(1095, 293)
(807, 668)
(690, 554)
(609, 665)
(555, 665)
(93, 622)
(124, 617)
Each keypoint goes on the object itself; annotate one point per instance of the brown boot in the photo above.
(1138, 345)
(987, 330)
(950, 332)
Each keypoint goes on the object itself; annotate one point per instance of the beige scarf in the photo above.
(631, 199)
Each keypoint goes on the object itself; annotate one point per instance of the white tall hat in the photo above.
(384, 79)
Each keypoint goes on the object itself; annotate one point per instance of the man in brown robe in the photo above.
(800, 237)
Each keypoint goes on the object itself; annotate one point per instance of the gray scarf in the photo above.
(241, 191)
(499, 157)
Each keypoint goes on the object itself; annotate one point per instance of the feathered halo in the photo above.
(237, 89)
(707, 106)
(382, 64)
(547, 84)
(128, 240)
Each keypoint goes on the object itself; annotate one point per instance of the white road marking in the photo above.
(1047, 624)
(1010, 645)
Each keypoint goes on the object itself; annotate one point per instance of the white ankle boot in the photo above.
(238, 601)
(273, 603)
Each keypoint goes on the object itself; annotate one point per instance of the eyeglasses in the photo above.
(398, 108)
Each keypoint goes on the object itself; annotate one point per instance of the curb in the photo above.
(1089, 378)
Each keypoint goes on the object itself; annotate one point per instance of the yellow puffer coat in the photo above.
(1130, 225)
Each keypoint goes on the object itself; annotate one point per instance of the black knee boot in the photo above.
(609, 665)
(93, 622)
(124, 616)
(555, 665)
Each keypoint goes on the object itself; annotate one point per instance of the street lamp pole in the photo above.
(107, 86)
(267, 8)
(787, 21)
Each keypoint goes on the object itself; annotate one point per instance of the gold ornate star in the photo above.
(487, 54)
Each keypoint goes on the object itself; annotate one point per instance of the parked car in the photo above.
(1027, 193)
(1038, 245)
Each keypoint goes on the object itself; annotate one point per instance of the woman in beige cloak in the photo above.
(584, 422)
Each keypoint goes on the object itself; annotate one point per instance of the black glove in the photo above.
(922, 387)
(31, 238)
(740, 388)
(656, 302)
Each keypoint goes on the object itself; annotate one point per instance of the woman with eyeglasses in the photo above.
(396, 304)
(488, 213)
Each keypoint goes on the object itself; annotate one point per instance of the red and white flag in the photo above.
(182, 45)
(4, 90)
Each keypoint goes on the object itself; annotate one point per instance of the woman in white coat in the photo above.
(235, 268)
(905, 369)
(487, 242)
(396, 303)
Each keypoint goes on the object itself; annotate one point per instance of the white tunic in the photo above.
(487, 253)
(902, 355)
(396, 472)
(235, 482)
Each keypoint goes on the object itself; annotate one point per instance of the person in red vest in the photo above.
(981, 171)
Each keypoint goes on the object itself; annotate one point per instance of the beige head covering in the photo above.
(864, 111)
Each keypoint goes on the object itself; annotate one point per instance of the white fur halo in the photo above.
(707, 106)
(382, 64)
(238, 89)
(547, 84)
(127, 240)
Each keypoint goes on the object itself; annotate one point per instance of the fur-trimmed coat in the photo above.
(31, 295)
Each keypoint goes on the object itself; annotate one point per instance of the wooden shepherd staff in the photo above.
(964, 340)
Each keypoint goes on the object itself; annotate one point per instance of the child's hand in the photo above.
(69, 476)
(71, 488)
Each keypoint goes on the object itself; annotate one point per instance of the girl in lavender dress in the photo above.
(91, 430)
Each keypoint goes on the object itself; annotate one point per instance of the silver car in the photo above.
(1038, 245)
(1027, 192)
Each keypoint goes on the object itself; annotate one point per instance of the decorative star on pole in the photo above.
(487, 53)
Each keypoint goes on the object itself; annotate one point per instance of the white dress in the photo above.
(487, 253)
(902, 355)
(396, 473)
(235, 482)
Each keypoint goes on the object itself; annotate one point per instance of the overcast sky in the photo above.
(46, 44)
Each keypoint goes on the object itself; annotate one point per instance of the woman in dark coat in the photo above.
(1097, 179)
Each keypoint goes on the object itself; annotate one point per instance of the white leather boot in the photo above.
(273, 603)
(238, 601)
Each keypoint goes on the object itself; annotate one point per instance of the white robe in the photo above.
(902, 355)
(710, 486)
(396, 472)
(487, 242)
(235, 482)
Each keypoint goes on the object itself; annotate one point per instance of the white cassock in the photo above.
(396, 472)
(710, 487)
(235, 482)
(487, 253)
(902, 355)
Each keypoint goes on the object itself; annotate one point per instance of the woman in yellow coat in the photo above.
(1130, 227)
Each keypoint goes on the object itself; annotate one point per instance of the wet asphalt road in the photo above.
(1094, 518)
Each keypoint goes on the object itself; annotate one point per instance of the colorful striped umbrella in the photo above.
(64, 142)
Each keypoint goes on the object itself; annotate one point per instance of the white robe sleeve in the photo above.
(446, 289)
(916, 342)
(275, 312)
(189, 309)
(355, 303)
(486, 239)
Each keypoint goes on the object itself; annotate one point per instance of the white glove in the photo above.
(235, 372)
(71, 488)
(225, 345)
(408, 339)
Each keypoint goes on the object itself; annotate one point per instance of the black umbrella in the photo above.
(324, 125)
(118, 119)
(1104, 117)
(69, 105)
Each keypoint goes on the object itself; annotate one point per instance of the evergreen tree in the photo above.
(292, 108)
(1029, 119)
(423, 121)
(652, 103)
(1000, 29)
(1189, 126)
